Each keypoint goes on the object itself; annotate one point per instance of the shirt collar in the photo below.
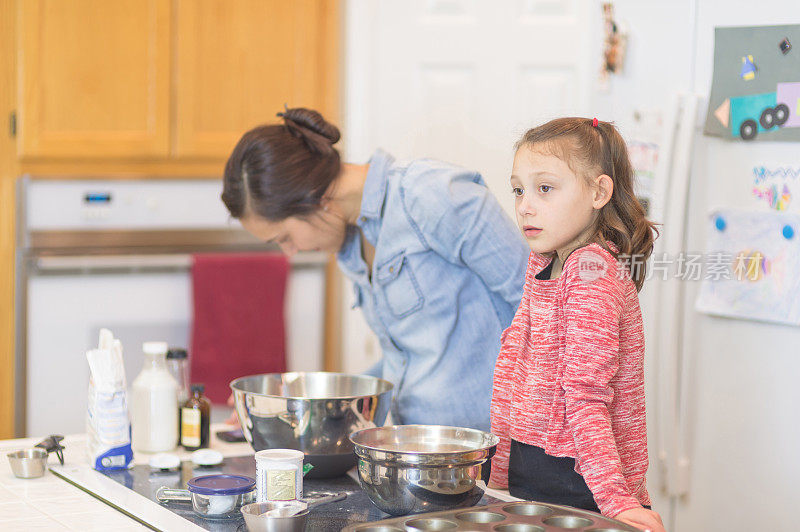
(374, 194)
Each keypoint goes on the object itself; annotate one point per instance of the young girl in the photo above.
(568, 399)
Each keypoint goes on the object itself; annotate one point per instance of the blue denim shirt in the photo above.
(446, 281)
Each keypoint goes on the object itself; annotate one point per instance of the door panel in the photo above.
(460, 81)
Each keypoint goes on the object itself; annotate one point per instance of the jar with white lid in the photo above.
(279, 475)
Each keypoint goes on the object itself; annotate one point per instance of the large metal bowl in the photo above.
(422, 468)
(311, 412)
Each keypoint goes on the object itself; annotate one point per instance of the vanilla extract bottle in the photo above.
(195, 419)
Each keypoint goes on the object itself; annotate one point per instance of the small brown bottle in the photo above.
(195, 419)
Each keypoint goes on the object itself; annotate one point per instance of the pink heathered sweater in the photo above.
(570, 378)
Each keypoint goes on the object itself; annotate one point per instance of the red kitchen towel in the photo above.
(238, 325)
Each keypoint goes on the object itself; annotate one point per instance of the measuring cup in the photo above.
(213, 496)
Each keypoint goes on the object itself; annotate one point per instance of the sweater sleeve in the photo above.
(593, 301)
(502, 387)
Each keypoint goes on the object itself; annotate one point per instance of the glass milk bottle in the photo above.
(154, 398)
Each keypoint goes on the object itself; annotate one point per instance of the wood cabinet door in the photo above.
(239, 61)
(94, 78)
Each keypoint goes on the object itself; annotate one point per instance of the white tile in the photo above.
(42, 523)
(43, 488)
(72, 504)
(109, 519)
(8, 495)
(17, 511)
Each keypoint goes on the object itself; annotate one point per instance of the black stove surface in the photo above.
(356, 508)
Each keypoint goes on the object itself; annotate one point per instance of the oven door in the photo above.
(139, 298)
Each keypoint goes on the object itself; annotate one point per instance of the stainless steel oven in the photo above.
(95, 253)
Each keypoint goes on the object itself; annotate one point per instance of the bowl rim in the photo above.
(38, 454)
(388, 384)
(250, 505)
(494, 437)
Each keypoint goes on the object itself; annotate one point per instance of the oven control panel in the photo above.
(65, 204)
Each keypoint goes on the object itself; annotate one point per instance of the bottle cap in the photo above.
(155, 348)
(279, 455)
(198, 388)
(176, 352)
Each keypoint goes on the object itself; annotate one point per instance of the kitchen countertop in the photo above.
(50, 503)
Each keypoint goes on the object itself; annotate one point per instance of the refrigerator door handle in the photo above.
(664, 420)
(671, 382)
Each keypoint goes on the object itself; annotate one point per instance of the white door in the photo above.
(460, 81)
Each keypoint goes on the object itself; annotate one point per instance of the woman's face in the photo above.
(321, 231)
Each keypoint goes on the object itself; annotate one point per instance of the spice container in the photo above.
(195, 420)
(279, 475)
(214, 496)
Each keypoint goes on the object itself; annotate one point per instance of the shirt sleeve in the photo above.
(592, 310)
(454, 212)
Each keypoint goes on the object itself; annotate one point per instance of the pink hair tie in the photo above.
(594, 122)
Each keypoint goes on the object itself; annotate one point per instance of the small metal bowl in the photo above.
(28, 463)
(257, 520)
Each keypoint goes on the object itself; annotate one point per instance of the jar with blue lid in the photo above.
(213, 496)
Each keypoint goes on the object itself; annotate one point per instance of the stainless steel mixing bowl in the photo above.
(312, 412)
(422, 468)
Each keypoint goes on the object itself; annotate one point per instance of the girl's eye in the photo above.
(517, 191)
(544, 188)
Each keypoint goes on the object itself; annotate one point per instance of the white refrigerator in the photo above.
(722, 393)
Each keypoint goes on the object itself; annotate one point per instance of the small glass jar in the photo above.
(279, 475)
(178, 366)
(220, 495)
(195, 420)
(214, 496)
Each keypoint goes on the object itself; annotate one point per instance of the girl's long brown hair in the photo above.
(587, 148)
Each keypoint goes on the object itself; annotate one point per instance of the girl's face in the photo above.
(555, 207)
(321, 231)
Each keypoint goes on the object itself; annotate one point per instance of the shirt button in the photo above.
(363, 219)
(391, 269)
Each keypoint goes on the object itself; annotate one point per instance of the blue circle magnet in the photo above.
(719, 223)
(788, 232)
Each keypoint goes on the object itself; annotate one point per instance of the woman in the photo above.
(436, 265)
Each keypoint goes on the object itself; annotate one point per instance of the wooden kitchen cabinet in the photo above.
(94, 78)
(239, 62)
(168, 85)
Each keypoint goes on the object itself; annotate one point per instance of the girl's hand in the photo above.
(233, 419)
(642, 518)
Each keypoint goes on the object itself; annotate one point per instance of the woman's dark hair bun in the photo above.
(309, 124)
